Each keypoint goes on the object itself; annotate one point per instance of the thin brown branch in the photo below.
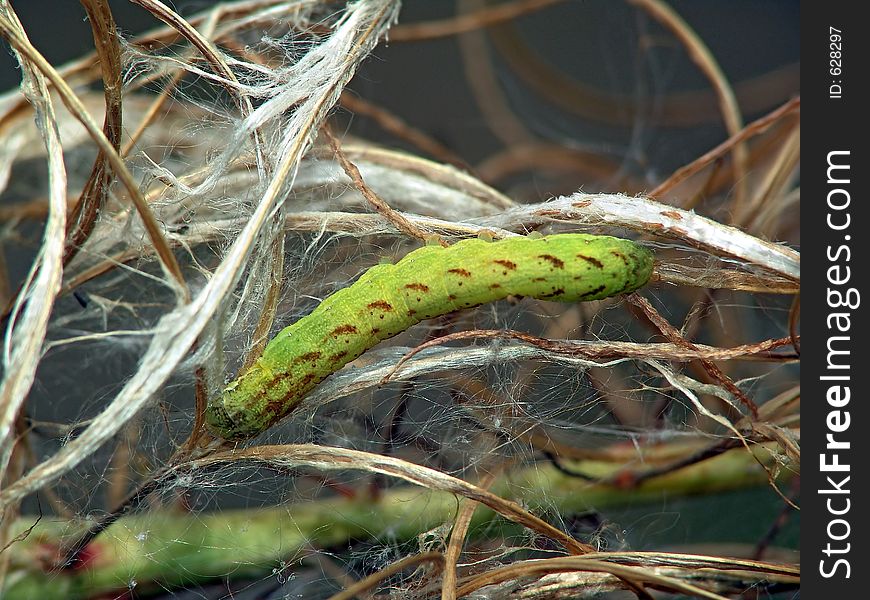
(757, 127)
(370, 582)
(678, 350)
(96, 189)
(152, 227)
(396, 218)
(638, 576)
(457, 540)
(325, 458)
(671, 333)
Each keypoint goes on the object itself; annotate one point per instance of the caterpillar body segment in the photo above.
(426, 283)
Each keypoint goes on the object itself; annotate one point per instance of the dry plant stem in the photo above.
(728, 576)
(670, 332)
(466, 21)
(171, 18)
(636, 575)
(701, 56)
(96, 189)
(167, 258)
(677, 351)
(5, 288)
(457, 541)
(350, 169)
(793, 319)
(648, 216)
(82, 71)
(442, 175)
(370, 582)
(339, 459)
(772, 191)
(176, 331)
(31, 309)
(394, 125)
(200, 402)
(403, 510)
(118, 473)
(21, 453)
(757, 127)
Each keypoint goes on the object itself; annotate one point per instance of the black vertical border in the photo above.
(834, 123)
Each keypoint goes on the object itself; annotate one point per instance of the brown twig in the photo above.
(635, 575)
(396, 218)
(397, 567)
(672, 334)
(457, 540)
(66, 94)
(326, 458)
(755, 128)
(680, 349)
(96, 189)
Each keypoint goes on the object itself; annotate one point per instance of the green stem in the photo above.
(162, 549)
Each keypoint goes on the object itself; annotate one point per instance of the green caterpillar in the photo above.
(426, 283)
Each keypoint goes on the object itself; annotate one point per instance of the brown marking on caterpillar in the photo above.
(420, 287)
(539, 279)
(620, 256)
(460, 272)
(593, 292)
(451, 297)
(277, 406)
(307, 357)
(411, 312)
(338, 356)
(507, 264)
(557, 292)
(591, 260)
(494, 286)
(556, 262)
(376, 330)
(343, 330)
(381, 304)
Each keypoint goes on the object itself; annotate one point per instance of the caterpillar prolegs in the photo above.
(428, 282)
